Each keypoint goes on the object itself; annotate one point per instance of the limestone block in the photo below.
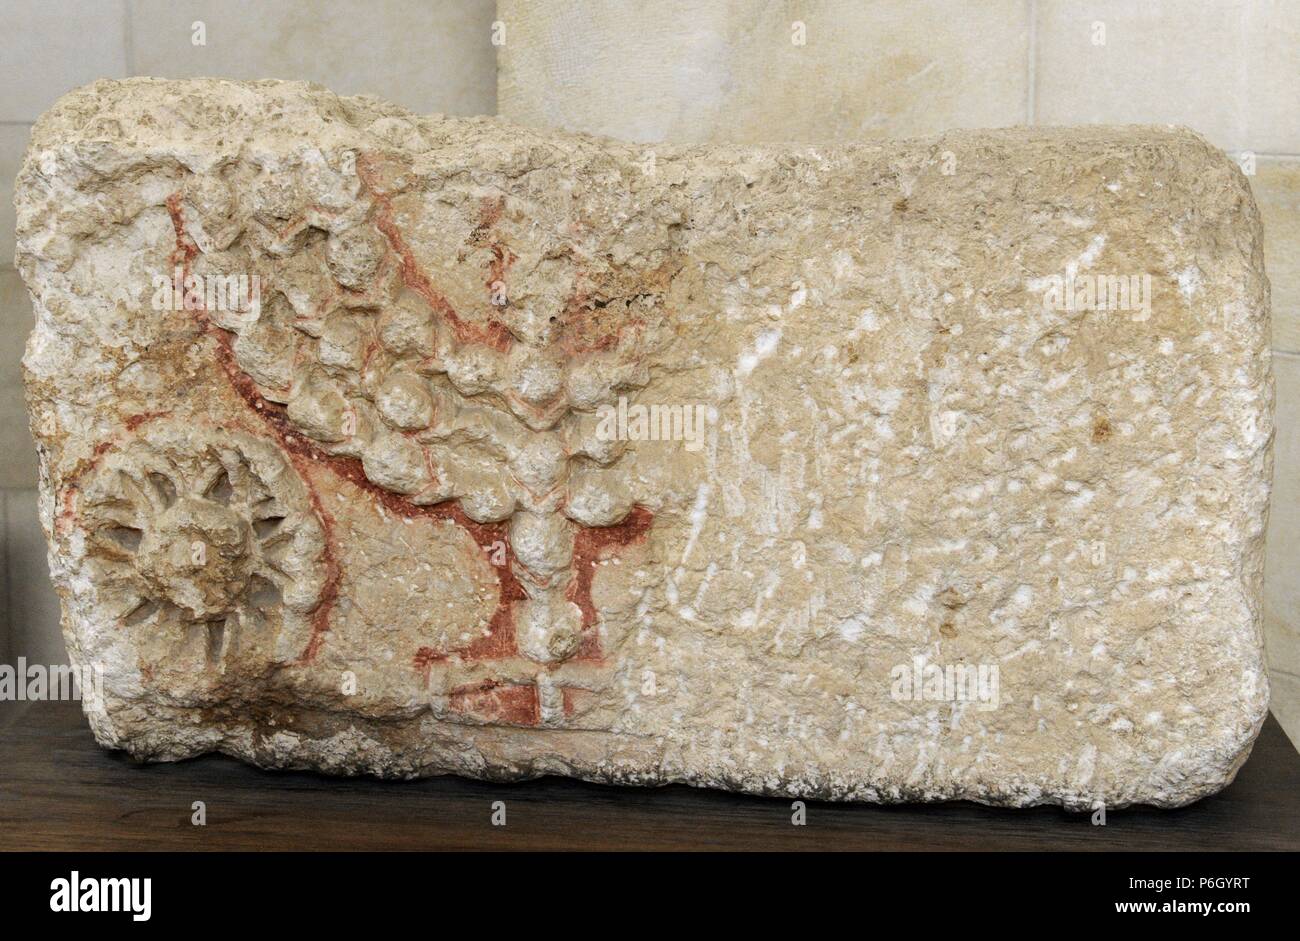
(384, 444)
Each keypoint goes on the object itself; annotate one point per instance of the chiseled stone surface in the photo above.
(393, 513)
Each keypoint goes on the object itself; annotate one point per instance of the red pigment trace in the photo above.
(182, 257)
(135, 421)
(424, 660)
(502, 259)
(590, 545)
(66, 516)
(490, 701)
(489, 214)
(498, 641)
(68, 511)
(571, 695)
(494, 334)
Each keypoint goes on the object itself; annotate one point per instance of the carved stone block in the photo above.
(398, 445)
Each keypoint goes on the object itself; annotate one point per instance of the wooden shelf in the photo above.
(60, 791)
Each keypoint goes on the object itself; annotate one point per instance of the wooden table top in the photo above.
(60, 791)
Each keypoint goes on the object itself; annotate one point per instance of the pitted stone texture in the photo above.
(400, 518)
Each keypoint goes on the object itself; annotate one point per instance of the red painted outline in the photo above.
(590, 543)
(493, 701)
(590, 546)
(494, 334)
(499, 640)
